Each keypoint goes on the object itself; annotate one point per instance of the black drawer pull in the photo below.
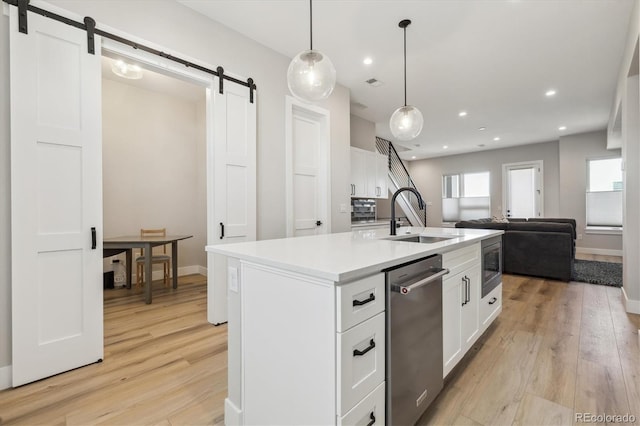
(493, 300)
(372, 344)
(94, 239)
(221, 230)
(373, 419)
(371, 298)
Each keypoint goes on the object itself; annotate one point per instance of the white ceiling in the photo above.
(494, 59)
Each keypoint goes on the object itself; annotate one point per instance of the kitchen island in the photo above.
(300, 308)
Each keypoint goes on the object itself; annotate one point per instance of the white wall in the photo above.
(631, 160)
(363, 133)
(182, 31)
(5, 199)
(153, 167)
(427, 174)
(574, 152)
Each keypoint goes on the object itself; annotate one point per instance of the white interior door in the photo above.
(307, 167)
(522, 189)
(231, 185)
(56, 199)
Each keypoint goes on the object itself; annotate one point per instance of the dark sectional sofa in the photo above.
(538, 247)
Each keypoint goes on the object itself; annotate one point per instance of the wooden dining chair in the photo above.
(157, 256)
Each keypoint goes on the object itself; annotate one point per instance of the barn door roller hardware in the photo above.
(89, 25)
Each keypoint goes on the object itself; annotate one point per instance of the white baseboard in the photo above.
(602, 252)
(182, 271)
(5, 377)
(232, 414)
(631, 306)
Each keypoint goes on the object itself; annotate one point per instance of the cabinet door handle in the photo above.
(373, 419)
(468, 281)
(221, 230)
(464, 293)
(372, 344)
(493, 300)
(371, 298)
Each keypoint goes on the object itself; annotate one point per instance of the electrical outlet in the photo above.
(343, 208)
(429, 203)
(579, 236)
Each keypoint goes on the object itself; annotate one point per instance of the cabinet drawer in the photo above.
(371, 410)
(459, 260)
(490, 307)
(359, 301)
(361, 357)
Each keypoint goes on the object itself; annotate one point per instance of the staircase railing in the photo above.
(401, 177)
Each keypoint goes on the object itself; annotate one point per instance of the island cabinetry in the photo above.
(304, 350)
(490, 307)
(460, 304)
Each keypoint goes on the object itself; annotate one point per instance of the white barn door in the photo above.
(56, 199)
(231, 185)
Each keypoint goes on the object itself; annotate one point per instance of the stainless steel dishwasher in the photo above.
(414, 338)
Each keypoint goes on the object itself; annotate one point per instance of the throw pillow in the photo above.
(497, 219)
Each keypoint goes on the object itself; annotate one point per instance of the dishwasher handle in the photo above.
(406, 290)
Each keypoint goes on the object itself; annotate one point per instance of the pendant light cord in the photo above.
(311, 24)
(405, 66)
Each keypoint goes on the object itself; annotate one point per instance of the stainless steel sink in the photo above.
(422, 239)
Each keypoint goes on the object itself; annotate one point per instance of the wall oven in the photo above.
(491, 264)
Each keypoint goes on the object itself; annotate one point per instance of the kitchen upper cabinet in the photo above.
(359, 159)
(368, 174)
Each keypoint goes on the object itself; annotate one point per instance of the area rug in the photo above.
(594, 272)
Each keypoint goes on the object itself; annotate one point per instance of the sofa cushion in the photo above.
(482, 224)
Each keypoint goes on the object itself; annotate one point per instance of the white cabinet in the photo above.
(359, 159)
(490, 307)
(460, 304)
(382, 172)
(304, 350)
(368, 174)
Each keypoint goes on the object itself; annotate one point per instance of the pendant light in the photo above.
(311, 75)
(406, 122)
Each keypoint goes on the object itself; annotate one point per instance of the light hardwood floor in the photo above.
(555, 350)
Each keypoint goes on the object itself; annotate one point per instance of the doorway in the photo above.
(522, 189)
(154, 166)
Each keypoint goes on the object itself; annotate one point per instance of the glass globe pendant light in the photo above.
(311, 75)
(406, 122)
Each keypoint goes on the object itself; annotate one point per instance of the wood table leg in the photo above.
(129, 261)
(174, 263)
(148, 275)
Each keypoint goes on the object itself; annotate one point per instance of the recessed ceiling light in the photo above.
(413, 158)
(462, 114)
(481, 145)
(550, 93)
(367, 61)
(445, 146)
(562, 128)
(497, 138)
(482, 128)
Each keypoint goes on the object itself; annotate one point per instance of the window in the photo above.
(465, 196)
(604, 192)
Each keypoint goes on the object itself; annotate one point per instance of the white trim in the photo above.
(232, 414)
(603, 252)
(632, 306)
(292, 103)
(5, 377)
(539, 182)
(603, 230)
(182, 271)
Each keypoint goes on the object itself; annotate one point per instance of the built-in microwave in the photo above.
(491, 264)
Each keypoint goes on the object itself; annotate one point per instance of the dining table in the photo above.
(115, 245)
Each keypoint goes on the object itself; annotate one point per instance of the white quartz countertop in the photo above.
(347, 256)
